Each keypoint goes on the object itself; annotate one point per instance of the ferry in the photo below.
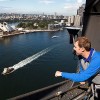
(7, 70)
(55, 36)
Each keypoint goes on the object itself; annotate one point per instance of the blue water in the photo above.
(40, 72)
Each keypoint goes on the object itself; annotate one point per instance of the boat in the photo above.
(7, 70)
(55, 36)
(68, 90)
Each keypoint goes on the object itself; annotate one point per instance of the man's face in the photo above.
(77, 49)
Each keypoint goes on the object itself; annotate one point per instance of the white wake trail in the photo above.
(31, 58)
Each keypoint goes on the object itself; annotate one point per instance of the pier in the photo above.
(7, 34)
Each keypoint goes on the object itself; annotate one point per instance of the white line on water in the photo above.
(31, 58)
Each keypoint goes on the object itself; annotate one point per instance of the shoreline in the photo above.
(27, 31)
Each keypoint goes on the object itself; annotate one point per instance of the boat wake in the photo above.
(27, 60)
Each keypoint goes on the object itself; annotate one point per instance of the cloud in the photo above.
(4, 7)
(79, 1)
(47, 1)
(73, 6)
(5, 0)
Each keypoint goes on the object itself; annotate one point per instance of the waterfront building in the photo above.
(72, 19)
(55, 15)
(1, 32)
(54, 26)
(50, 26)
(69, 21)
(80, 12)
(77, 21)
(61, 23)
(5, 27)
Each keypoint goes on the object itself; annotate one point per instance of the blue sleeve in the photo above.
(92, 69)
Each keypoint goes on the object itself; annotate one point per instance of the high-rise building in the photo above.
(77, 21)
(72, 20)
(80, 12)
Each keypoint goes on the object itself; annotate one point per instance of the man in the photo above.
(89, 68)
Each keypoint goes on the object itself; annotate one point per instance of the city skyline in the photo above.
(64, 7)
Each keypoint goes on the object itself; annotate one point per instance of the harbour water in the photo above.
(37, 56)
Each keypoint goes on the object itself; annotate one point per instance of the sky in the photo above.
(60, 7)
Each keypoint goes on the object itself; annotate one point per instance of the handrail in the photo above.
(37, 91)
(60, 93)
